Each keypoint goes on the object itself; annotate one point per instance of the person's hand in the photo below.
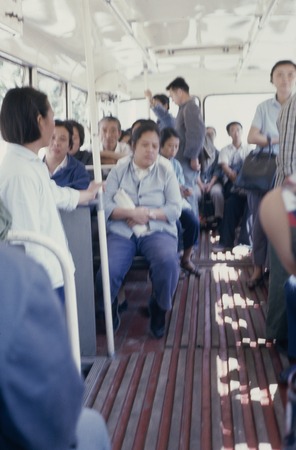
(89, 194)
(194, 164)
(208, 187)
(148, 94)
(202, 186)
(187, 192)
(139, 216)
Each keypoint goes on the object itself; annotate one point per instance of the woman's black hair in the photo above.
(148, 125)
(166, 134)
(163, 99)
(229, 125)
(140, 122)
(20, 109)
(284, 62)
(80, 129)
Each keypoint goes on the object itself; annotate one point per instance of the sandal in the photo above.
(190, 268)
(253, 283)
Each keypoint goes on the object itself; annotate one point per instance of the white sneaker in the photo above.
(242, 250)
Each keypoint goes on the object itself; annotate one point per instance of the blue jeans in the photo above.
(91, 431)
(160, 251)
(290, 291)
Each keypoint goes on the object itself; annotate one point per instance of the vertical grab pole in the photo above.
(145, 67)
(86, 21)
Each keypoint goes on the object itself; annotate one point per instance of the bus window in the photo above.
(12, 75)
(56, 92)
(219, 110)
(80, 112)
(107, 104)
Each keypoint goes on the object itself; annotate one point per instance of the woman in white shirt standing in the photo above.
(26, 123)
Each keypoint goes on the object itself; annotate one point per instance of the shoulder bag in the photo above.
(258, 171)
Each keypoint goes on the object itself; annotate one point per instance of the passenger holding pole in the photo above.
(26, 123)
(191, 129)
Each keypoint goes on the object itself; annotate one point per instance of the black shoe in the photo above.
(282, 346)
(115, 315)
(157, 320)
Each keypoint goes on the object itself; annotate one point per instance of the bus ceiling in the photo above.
(218, 46)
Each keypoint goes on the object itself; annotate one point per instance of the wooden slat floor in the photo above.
(211, 383)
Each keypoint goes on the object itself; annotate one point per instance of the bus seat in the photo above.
(77, 227)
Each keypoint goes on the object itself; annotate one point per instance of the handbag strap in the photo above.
(270, 147)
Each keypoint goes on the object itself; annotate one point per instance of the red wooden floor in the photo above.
(210, 383)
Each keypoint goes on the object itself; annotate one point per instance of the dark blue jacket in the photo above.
(74, 175)
(40, 387)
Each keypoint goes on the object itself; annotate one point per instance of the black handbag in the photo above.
(258, 171)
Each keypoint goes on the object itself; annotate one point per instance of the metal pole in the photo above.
(69, 284)
(86, 25)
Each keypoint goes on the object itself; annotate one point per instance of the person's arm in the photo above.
(256, 137)
(149, 96)
(209, 185)
(274, 220)
(110, 157)
(231, 174)
(139, 215)
(89, 194)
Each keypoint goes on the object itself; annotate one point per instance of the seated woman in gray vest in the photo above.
(142, 204)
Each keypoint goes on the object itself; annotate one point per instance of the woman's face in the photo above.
(284, 77)
(59, 144)
(146, 149)
(170, 147)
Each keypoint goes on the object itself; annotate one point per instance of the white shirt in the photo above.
(32, 199)
(231, 155)
(121, 147)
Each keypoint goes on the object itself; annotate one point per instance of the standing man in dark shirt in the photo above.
(191, 129)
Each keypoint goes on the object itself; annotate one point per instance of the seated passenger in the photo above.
(40, 388)
(235, 212)
(142, 205)
(83, 156)
(209, 181)
(63, 168)
(26, 123)
(126, 136)
(169, 144)
(140, 122)
(160, 105)
(111, 150)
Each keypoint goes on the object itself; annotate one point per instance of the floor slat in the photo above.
(210, 383)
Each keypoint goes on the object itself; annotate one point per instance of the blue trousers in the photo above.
(234, 210)
(190, 225)
(290, 291)
(160, 251)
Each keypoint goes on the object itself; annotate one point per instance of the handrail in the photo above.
(69, 284)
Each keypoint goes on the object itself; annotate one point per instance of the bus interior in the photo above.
(211, 382)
